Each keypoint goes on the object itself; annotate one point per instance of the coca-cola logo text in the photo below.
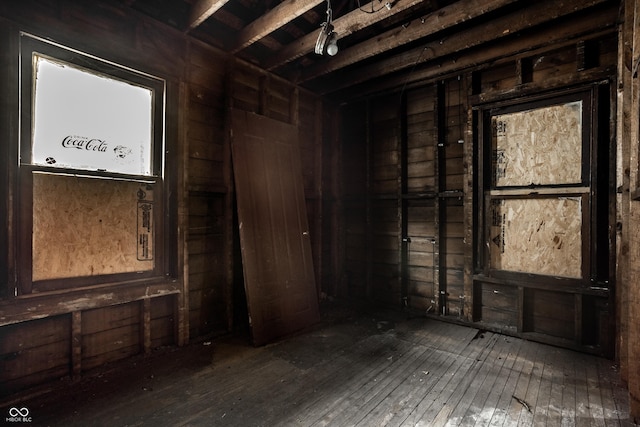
(84, 143)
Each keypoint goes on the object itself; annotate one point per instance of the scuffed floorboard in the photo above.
(354, 369)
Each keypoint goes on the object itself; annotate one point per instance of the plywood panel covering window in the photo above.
(100, 227)
(540, 236)
(537, 187)
(542, 146)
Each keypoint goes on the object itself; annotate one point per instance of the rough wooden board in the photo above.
(540, 236)
(85, 226)
(540, 147)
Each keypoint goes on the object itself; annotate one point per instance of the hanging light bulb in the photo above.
(327, 39)
(332, 44)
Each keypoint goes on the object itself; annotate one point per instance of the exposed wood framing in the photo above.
(535, 14)
(343, 26)
(182, 307)
(285, 12)
(145, 323)
(318, 136)
(202, 10)
(468, 198)
(629, 177)
(229, 203)
(368, 204)
(439, 214)
(35, 306)
(76, 343)
(592, 27)
(442, 19)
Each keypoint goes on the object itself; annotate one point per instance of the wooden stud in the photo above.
(264, 95)
(469, 210)
(439, 205)
(229, 214)
(317, 239)
(182, 308)
(76, 344)
(145, 326)
(368, 203)
(578, 307)
(403, 203)
(294, 106)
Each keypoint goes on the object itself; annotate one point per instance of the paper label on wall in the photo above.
(145, 231)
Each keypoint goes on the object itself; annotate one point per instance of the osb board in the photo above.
(540, 236)
(541, 146)
(87, 226)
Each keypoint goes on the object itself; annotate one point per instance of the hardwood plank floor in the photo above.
(354, 369)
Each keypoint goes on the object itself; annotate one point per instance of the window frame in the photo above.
(488, 191)
(163, 219)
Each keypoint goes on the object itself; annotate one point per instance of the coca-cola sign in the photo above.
(85, 143)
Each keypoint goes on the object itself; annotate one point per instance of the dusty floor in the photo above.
(355, 368)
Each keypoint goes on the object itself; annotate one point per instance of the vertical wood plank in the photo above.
(76, 344)
(146, 325)
(403, 203)
(521, 323)
(228, 232)
(468, 195)
(578, 319)
(182, 301)
(294, 106)
(631, 84)
(263, 106)
(439, 205)
(368, 209)
(317, 239)
(623, 276)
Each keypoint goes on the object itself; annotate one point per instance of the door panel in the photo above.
(274, 236)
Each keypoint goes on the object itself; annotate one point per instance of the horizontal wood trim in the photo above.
(41, 305)
(559, 191)
(571, 286)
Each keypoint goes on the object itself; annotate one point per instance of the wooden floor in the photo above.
(352, 370)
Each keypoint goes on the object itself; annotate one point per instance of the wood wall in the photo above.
(628, 199)
(410, 191)
(51, 335)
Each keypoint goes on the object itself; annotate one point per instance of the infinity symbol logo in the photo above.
(14, 412)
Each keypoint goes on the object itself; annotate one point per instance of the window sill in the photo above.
(44, 304)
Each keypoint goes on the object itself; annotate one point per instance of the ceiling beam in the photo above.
(534, 14)
(282, 14)
(439, 20)
(348, 24)
(203, 9)
(594, 26)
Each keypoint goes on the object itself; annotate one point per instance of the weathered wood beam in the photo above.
(495, 53)
(348, 24)
(203, 9)
(285, 12)
(528, 17)
(439, 20)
